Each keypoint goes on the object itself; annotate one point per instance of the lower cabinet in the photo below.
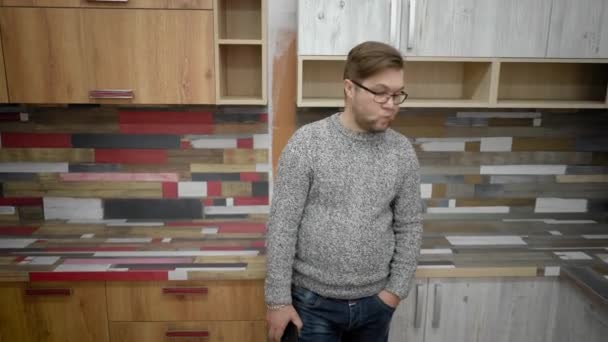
(53, 312)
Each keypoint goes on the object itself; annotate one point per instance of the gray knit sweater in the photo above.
(345, 219)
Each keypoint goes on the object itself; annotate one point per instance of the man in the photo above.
(345, 228)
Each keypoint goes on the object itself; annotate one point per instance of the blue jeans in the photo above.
(337, 320)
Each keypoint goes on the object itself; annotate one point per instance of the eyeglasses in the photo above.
(398, 98)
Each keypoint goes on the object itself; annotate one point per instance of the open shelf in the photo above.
(474, 82)
(240, 74)
(553, 84)
(239, 19)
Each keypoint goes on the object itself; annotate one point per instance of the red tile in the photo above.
(91, 249)
(17, 230)
(264, 117)
(165, 117)
(21, 201)
(241, 227)
(250, 200)
(214, 188)
(244, 143)
(250, 177)
(208, 202)
(169, 190)
(185, 145)
(99, 276)
(132, 156)
(10, 117)
(36, 140)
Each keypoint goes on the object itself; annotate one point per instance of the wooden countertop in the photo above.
(58, 251)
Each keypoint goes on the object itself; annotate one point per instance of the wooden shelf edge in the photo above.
(240, 42)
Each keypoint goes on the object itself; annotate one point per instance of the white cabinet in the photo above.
(475, 28)
(579, 29)
(333, 27)
(409, 319)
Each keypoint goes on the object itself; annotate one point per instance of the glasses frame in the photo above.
(376, 94)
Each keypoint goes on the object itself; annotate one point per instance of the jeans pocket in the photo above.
(383, 305)
(305, 297)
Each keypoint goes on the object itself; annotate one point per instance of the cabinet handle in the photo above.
(111, 94)
(437, 306)
(395, 23)
(185, 290)
(187, 333)
(48, 292)
(124, 1)
(411, 24)
(419, 303)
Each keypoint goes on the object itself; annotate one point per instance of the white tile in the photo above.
(44, 260)
(242, 209)
(555, 232)
(83, 268)
(7, 210)
(554, 221)
(16, 243)
(261, 141)
(604, 257)
(560, 205)
(435, 251)
(426, 190)
(175, 253)
(219, 143)
(440, 146)
(63, 208)
(522, 169)
(595, 236)
(32, 167)
(487, 115)
(485, 240)
(452, 203)
(129, 240)
(537, 122)
(573, 256)
(166, 240)
(497, 144)
(469, 210)
(551, 271)
(191, 189)
(210, 230)
(262, 168)
(230, 202)
(87, 236)
(24, 117)
(435, 266)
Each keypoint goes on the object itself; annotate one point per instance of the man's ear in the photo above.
(349, 88)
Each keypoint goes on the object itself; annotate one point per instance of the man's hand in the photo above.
(277, 321)
(389, 298)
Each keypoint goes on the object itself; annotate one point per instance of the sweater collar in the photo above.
(361, 136)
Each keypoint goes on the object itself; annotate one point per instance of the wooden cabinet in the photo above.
(186, 301)
(579, 29)
(333, 27)
(188, 331)
(53, 312)
(108, 55)
(469, 28)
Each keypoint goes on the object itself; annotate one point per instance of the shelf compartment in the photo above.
(239, 19)
(553, 84)
(240, 73)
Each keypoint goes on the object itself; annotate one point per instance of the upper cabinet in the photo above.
(125, 55)
(579, 29)
(333, 27)
(3, 91)
(471, 28)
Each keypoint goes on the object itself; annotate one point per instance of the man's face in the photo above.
(369, 114)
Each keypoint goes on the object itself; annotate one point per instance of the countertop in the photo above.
(139, 251)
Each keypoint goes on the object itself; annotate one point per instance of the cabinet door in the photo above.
(3, 91)
(162, 56)
(53, 312)
(44, 55)
(579, 29)
(471, 28)
(578, 317)
(333, 27)
(501, 310)
(410, 317)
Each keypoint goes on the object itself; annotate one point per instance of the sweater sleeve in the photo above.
(407, 226)
(290, 192)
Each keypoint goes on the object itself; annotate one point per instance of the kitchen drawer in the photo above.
(188, 331)
(186, 301)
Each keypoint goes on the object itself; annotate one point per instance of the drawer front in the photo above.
(188, 331)
(241, 300)
(182, 4)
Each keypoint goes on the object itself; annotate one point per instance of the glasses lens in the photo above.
(399, 98)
